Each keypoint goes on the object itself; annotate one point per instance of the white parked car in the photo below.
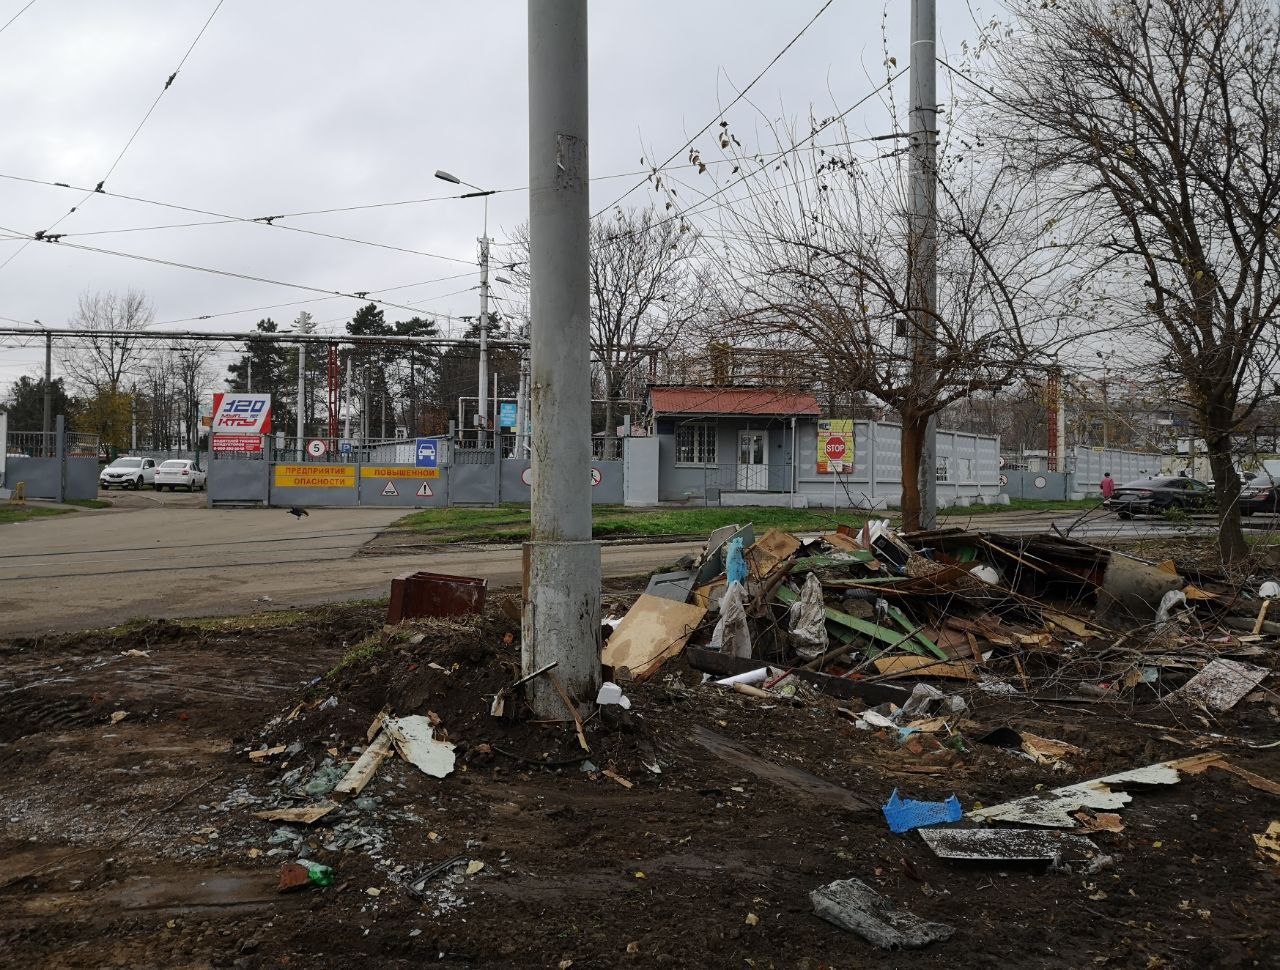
(179, 473)
(128, 472)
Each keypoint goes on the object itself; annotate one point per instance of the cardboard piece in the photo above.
(910, 665)
(653, 631)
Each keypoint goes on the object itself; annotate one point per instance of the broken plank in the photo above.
(573, 710)
(366, 766)
(723, 665)
(912, 666)
(918, 633)
(305, 814)
(1004, 845)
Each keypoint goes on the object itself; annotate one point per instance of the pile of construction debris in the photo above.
(918, 626)
(858, 613)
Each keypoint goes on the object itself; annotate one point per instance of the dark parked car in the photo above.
(1260, 494)
(1155, 495)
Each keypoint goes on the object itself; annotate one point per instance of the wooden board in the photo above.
(910, 665)
(653, 631)
(769, 550)
(306, 814)
(364, 769)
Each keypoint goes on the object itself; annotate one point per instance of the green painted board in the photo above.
(883, 634)
(908, 627)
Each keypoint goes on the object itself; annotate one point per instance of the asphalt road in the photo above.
(100, 568)
(165, 555)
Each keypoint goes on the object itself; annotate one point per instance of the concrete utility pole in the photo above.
(302, 389)
(561, 618)
(482, 406)
(47, 426)
(923, 227)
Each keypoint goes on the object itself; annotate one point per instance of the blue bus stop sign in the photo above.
(426, 453)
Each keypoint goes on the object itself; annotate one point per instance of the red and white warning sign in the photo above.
(424, 491)
(596, 477)
(389, 489)
(835, 448)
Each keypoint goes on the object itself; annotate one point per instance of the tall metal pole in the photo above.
(302, 389)
(346, 424)
(482, 407)
(923, 176)
(561, 616)
(47, 426)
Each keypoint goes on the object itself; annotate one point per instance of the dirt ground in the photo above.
(133, 843)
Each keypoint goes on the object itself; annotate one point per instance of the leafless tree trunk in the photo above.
(1157, 123)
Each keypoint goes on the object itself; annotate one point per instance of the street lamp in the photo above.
(482, 404)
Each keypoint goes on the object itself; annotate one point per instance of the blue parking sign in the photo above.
(426, 453)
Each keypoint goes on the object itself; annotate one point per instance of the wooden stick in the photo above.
(1262, 617)
(573, 711)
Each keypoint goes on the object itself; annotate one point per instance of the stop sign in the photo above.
(835, 448)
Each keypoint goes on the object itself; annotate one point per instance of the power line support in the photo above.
(923, 228)
(561, 601)
(302, 388)
(482, 406)
(47, 426)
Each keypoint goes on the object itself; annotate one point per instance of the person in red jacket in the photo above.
(1108, 486)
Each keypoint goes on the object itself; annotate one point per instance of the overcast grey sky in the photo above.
(291, 105)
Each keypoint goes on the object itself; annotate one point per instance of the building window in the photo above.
(943, 473)
(696, 444)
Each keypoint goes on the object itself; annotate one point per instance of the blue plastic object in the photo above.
(735, 565)
(905, 814)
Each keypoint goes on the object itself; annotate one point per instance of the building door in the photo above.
(753, 461)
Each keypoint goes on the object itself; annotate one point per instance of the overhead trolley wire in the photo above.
(120, 155)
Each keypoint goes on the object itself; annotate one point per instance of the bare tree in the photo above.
(100, 359)
(645, 290)
(813, 250)
(1157, 122)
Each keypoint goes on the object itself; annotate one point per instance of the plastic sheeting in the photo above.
(732, 635)
(808, 620)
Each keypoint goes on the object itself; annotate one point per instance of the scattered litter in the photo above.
(1269, 843)
(905, 814)
(1269, 590)
(752, 919)
(118, 716)
(414, 740)
(304, 872)
(1005, 845)
(1054, 809)
(613, 775)
(136, 653)
(474, 866)
(1222, 684)
(611, 693)
(854, 906)
(757, 676)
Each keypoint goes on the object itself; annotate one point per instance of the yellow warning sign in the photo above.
(315, 476)
(399, 472)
